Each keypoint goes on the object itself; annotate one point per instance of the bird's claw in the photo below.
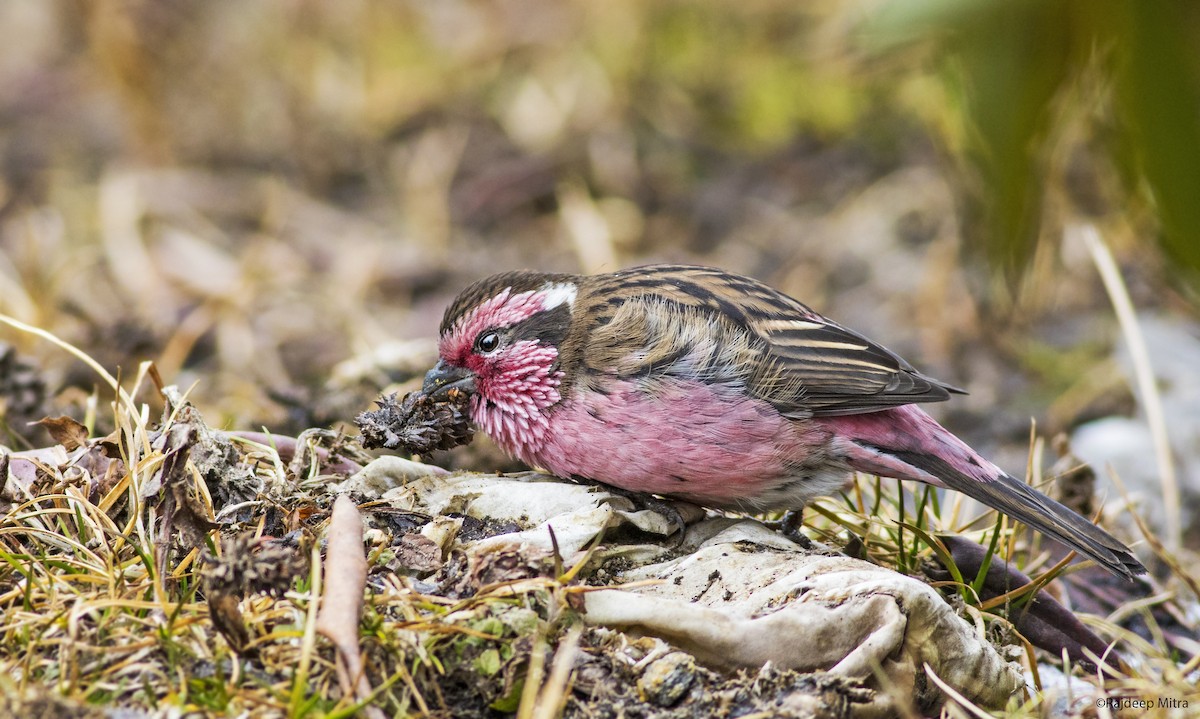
(663, 507)
(790, 525)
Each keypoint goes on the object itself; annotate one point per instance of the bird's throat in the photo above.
(512, 403)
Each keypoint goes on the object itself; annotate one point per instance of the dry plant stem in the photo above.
(75, 352)
(341, 602)
(958, 698)
(1160, 550)
(137, 455)
(553, 696)
(1144, 371)
(291, 448)
(533, 678)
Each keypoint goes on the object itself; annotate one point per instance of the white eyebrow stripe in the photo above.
(557, 294)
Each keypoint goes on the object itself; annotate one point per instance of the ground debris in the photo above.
(250, 565)
(611, 682)
(22, 393)
(415, 554)
(665, 680)
(465, 574)
(173, 492)
(229, 479)
(342, 598)
(419, 423)
(41, 704)
(247, 565)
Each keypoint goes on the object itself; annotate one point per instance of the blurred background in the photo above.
(274, 200)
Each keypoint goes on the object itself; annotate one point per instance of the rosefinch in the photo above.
(699, 384)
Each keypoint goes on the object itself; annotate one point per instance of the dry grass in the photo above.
(92, 617)
(1156, 665)
(275, 206)
(105, 603)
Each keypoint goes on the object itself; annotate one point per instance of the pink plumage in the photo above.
(695, 383)
(625, 438)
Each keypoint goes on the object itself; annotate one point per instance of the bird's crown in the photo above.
(560, 288)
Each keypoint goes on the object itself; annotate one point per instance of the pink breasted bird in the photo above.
(707, 386)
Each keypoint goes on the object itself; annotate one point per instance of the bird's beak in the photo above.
(444, 377)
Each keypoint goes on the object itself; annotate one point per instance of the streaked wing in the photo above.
(799, 361)
(821, 368)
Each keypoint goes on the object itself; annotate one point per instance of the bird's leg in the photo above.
(791, 524)
(645, 500)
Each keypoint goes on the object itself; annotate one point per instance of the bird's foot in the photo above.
(668, 509)
(790, 525)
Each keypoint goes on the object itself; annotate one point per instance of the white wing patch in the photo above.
(819, 344)
(770, 326)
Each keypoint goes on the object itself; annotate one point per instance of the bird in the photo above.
(698, 384)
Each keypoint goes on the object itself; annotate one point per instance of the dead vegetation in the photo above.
(171, 567)
(274, 206)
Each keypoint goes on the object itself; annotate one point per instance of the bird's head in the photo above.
(500, 341)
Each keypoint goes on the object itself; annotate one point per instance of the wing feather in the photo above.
(677, 319)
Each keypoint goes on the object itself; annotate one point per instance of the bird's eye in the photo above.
(487, 342)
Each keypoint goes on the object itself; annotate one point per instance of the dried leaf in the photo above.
(66, 431)
(227, 618)
(417, 553)
(342, 599)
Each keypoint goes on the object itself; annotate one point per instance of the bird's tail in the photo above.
(1009, 495)
(907, 443)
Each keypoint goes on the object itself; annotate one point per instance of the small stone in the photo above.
(417, 553)
(666, 680)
